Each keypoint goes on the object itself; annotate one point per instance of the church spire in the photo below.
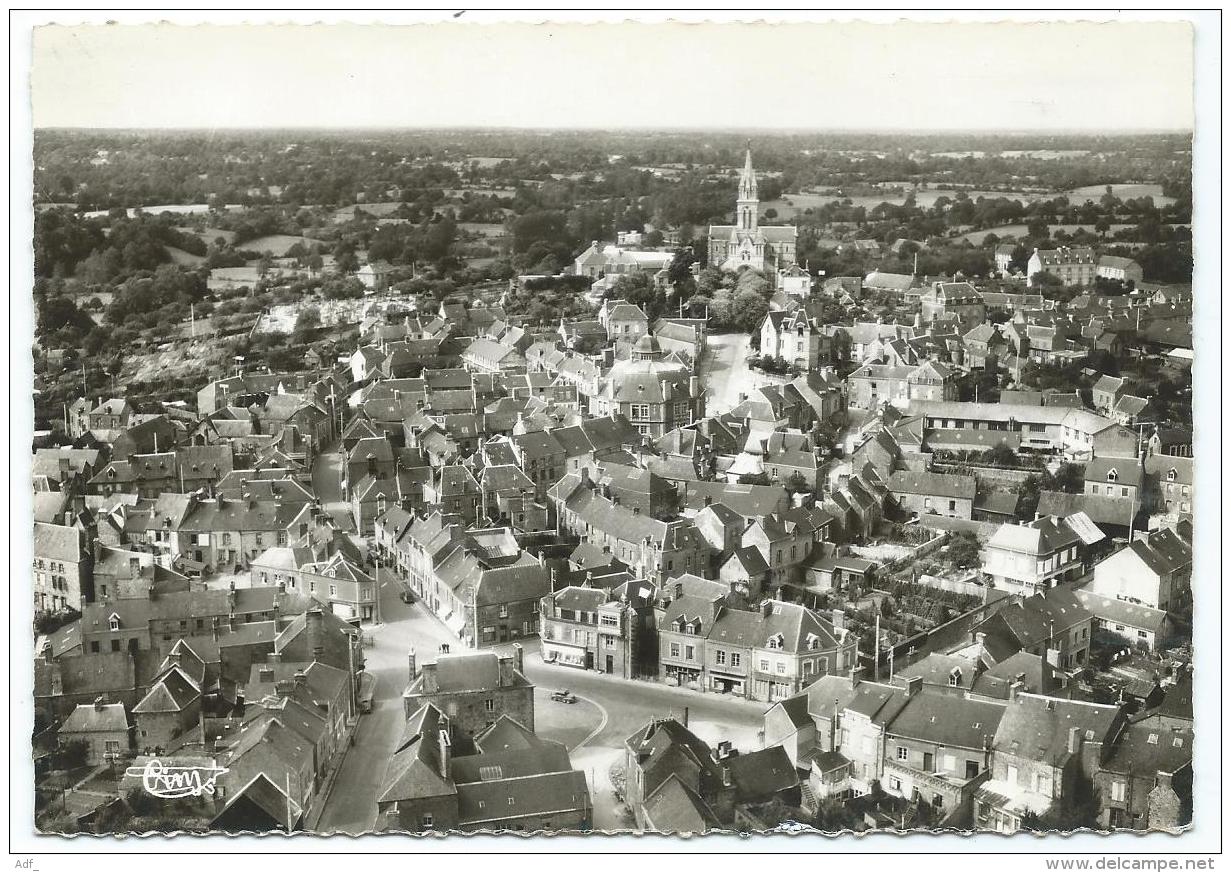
(747, 205)
(748, 179)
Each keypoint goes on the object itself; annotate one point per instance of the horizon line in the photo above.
(924, 131)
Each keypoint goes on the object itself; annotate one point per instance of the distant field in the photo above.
(183, 258)
(798, 202)
(1124, 192)
(209, 234)
(178, 209)
(1019, 230)
(278, 244)
(489, 231)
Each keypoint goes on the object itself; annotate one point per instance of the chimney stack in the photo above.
(446, 754)
(1074, 745)
(855, 677)
(411, 659)
(684, 721)
(914, 685)
(518, 657)
(1015, 689)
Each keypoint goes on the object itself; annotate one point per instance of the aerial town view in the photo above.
(491, 479)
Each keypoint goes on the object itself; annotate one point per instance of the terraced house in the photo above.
(765, 654)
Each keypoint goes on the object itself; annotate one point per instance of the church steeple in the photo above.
(747, 205)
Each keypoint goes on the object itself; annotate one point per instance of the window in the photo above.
(490, 704)
(735, 659)
(675, 650)
(902, 753)
(689, 652)
(427, 819)
(809, 668)
(504, 610)
(333, 590)
(720, 657)
(113, 623)
(1118, 791)
(1152, 739)
(764, 665)
(608, 621)
(781, 665)
(895, 784)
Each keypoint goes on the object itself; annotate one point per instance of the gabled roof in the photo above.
(96, 718)
(1037, 728)
(674, 808)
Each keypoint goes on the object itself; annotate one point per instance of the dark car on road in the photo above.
(564, 697)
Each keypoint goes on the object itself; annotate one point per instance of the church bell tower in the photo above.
(747, 206)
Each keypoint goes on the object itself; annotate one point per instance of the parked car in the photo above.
(564, 697)
(407, 597)
(367, 690)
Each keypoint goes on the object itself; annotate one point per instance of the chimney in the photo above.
(99, 703)
(446, 754)
(913, 686)
(684, 720)
(726, 776)
(694, 387)
(839, 619)
(767, 607)
(1074, 745)
(316, 633)
(1053, 658)
(301, 679)
(265, 674)
(518, 657)
(1163, 780)
(855, 677)
(666, 388)
(1015, 689)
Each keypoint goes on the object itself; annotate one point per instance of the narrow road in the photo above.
(351, 807)
(724, 371)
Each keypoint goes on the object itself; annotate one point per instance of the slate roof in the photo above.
(934, 716)
(91, 718)
(761, 774)
(1036, 728)
(674, 808)
(58, 542)
(933, 484)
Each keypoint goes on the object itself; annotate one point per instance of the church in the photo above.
(745, 244)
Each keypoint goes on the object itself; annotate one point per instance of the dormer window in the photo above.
(1171, 475)
(113, 623)
(775, 642)
(955, 677)
(814, 642)
(1112, 475)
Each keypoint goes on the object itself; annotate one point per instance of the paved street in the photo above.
(724, 371)
(626, 706)
(327, 486)
(594, 729)
(351, 807)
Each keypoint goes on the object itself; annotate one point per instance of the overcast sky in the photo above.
(1059, 76)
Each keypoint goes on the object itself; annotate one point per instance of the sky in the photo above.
(826, 76)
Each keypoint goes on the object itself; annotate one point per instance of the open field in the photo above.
(1124, 192)
(1019, 230)
(278, 244)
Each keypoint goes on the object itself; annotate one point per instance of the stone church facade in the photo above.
(745, 243)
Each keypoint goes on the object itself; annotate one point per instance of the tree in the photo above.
(1002, 456)
(1069, 478)
(797, 484)
(308, 320)
(964, 549)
